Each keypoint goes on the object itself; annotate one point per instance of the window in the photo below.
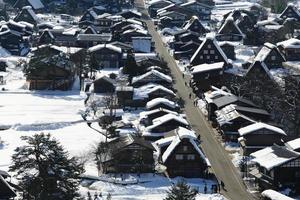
(185, 148)
(191, 157)
(179, 157)
(207, 57)
(201, 57)
(297, 174)
(216, 57)
(212, 51)
(205, 52)
(273, 57)
(209, 46)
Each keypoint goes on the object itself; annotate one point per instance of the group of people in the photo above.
(215, 187)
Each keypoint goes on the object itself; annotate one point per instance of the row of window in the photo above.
(185, 157)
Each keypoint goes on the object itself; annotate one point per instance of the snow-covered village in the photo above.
(149, 99)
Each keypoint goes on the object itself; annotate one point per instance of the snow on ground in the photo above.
(40, 107)
(149, 187)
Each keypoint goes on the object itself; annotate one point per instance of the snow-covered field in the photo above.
(149, 187)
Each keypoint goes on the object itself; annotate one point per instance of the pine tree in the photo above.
(181, 191)
(130, 67)
(108, 196)
(45, 169)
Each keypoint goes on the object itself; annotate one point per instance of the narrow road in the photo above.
(219, 158)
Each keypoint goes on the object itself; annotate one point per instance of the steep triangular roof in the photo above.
(290, 12)
(266, 50)
(27, 10)
(230, 27)
(262, 66)
(209, 40)
(194, 21)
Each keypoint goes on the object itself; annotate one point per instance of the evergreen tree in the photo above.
(108, 196)
(130, 67)
(45, 170)
(181, 191)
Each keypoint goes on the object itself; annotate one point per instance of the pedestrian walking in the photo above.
(182, 74)
(205, 189)
(190, 95)
(222, 185)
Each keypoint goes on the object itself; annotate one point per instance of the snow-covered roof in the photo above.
(65, 49)
(261, 64)
(293, 144)
(290, 6)
(165, 118)
(152, 72)
(229, 20)
(207, 67)
(144, 91)
(265, 51)
(31, 12)
(227, 118)
(103, 46)
(174, 141)
(159, 100)
(290, 43)
(36, 4)
(144, 114)
(258, 126)
(211, 37)
(274, 195)
(273, 156)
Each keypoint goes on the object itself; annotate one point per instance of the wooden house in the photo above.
(291, 11)
(290, 48)
(152, 76)
(37, 5)
(88, 17)
(89, 40)
(103, 84)
(127, 36)
(129, 154)
(254, 113)
(151, 91)
(202, 10)
(53, 73)
(147, 117)
(161, 103)
(258, 136)
(194, 25)
(107, 55)
(259, 70)
(228, 48)
(156, 5)
(27, 15)
(209, 52)
(164, 124)
(205, 75)
(276, 166)
(229, 122)
(270, 55)
(185, 49)
(124, 46)
(229, 31)
(172, 18)
(12, 40)
(57, 37)
(181, 154)
(221, 101)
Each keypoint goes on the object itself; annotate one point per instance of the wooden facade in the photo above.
(208, 52)
(129, 154)
(185, 161)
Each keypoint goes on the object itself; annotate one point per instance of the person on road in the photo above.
(190, 95)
